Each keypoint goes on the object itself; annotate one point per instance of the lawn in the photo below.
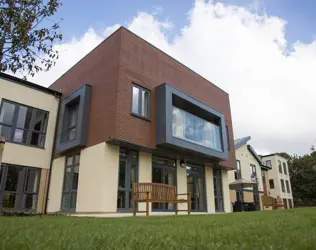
(289, 229)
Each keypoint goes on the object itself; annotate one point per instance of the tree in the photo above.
(26, 43)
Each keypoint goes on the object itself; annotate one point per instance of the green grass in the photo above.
(289, 229)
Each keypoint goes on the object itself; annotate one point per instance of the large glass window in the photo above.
(19, 187)
(70, 187)
(238, 171)
(271, 183)
(128, 168)
(140, 101)
(70, 121)
(23, 124)
(164, 171)
(192, 128)
(269, 164)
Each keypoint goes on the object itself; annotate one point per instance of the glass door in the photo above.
(218, 190)
(196, 186)
(127, 177)
(164, 171)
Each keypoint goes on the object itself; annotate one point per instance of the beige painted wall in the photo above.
(24, 155)
(209, 182)
(233, 196)
(42, 191)
(144, 173)
(98, 179)
(182, 186)
(227, 203)
(248, 196)
(246, 158)
(277, 176)
(56, 185)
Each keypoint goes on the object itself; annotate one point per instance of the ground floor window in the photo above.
(238, 195)
(164, 171)
(196, 186)
(218, 190)
(290, 203)
(19, 187)
(70, 187)
(285, 203)
(128, 173)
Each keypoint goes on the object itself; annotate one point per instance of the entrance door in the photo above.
(127, 177)
(164, 171)
(218, 190)
(196, 186)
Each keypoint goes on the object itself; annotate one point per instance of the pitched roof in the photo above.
(241, 141)
(257, 157)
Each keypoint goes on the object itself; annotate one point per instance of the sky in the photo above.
(262, 52)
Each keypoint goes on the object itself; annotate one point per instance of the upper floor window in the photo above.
(263, 176)
(269, 164)
(253, 172)
(271, 183)
(284, 168)
(192, 128)
(140, 101)
(23, 124)
(280, 166)
(238, 171)
(287, 186)
(282, 186)
(70, 121)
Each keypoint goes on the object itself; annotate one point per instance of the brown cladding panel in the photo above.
(99, 69)
(149, 67)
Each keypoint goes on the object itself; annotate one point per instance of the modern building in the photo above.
(249, 167)
(28, 115)
(279, 179)
(130, 113)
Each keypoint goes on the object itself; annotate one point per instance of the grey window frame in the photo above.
(287, 184)
(290, 203)
(127, 161)
(139, 115)
(263, 176)
(280, 167)
(284, 168)
(67, 121)
(282, 185)
(21, 183)
(271, 181)
(237, 171)
(71, 191)
(219, 192)
(30, 130)
(164, 168)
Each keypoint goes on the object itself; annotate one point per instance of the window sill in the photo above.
(141, 117)
(32, 146)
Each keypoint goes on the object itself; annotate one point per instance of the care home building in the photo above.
(279, 179)
(130, 113)
(250, 167)
(28, 115)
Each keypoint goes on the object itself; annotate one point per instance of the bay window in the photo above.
(192, 128)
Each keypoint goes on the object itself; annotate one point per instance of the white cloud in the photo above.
(271, 89)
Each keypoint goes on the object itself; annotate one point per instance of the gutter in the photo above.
(52, 157)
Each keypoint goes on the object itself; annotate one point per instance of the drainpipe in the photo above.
(52, 157)
(2, 142)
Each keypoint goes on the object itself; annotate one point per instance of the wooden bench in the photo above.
(157, 193)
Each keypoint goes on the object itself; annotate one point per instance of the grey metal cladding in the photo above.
(164, 138)
(83, 94)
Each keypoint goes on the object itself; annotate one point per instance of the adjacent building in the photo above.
(130, 113)
(28, 114)
(279, 179)
(249, 167)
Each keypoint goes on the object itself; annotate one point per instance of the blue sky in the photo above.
(77, 17)
(269, 77)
